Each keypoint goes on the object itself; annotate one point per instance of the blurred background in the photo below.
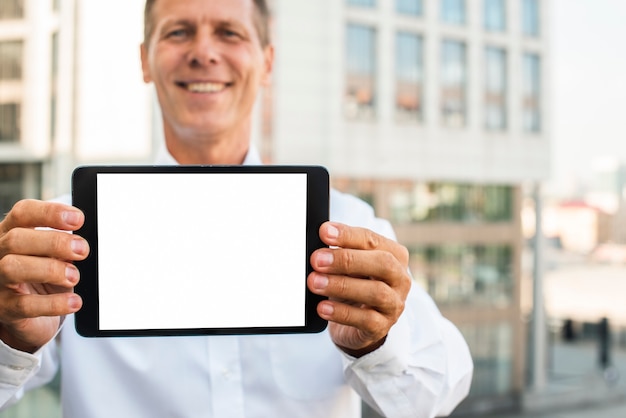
(488, 131)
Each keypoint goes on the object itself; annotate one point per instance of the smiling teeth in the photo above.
(205, 87)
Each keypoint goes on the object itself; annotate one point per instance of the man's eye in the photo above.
(177, 33)
(226, 33)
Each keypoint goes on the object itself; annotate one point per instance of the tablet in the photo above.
(199, 250)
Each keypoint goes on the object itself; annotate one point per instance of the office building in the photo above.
(71, 92)
(435, 112)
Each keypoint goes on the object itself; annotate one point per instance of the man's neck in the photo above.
(217, 150)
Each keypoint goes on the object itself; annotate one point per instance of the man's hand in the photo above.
(366, 278)
(36, 271)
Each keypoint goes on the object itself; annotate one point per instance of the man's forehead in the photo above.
(228, 10)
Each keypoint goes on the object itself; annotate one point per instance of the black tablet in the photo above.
(194, 250)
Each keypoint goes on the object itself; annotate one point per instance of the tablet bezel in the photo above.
(84, 197)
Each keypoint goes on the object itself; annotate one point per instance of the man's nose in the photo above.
(203, 51)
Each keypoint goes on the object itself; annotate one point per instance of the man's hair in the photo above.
(261, 21)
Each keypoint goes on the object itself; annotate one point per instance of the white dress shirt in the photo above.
(424, 368)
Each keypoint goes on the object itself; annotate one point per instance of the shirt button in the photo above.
(226, 373)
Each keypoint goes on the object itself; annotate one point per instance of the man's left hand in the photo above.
(365, 276)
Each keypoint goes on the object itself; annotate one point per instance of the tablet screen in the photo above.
(181, 251)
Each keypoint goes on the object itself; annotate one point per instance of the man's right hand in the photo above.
(37, 276)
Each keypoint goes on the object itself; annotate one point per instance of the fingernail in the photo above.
(71, 274)
(74, 302)
(327, 309)
(332, 231)
(320, 282)
(71, 218)
(325, 258)
(79, 246)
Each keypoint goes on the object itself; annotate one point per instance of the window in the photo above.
(477, 275)
(531, 105)
(11, 60)
(453, 11)
(448, 202)
(495, 88)
(494, 14)
(453, 84)
(10, 186)
(11, 9)
(360, 76)
(409, 76)
(9, 122)
(363, 3)
(530, 17)
(410, 7)
(491, 346)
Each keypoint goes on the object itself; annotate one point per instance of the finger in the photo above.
(380, 265)
(45, 243)
(371, 324)
(16, 269)
(359, 292)
(17, 307)
(340, 235)
(31, 213)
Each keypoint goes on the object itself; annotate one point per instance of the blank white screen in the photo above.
(203, 250)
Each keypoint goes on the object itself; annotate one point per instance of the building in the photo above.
(434, 111)
(25, 119)
(71, 93)
(58, 79)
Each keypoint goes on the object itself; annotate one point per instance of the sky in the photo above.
(587, 82)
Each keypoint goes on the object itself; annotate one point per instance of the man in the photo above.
(207, 59)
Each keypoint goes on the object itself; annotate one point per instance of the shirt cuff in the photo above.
(16, 366)
(392, 356)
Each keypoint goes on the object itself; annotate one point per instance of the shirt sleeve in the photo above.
(424, 368)
(20, 371)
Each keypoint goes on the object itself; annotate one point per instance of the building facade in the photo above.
(435, 112)
(25, 97)
(58, 80)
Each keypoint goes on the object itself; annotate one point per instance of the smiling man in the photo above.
(386, 341)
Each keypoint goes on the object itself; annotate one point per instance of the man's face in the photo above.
(207, 63)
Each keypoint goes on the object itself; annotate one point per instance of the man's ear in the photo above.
(268, 57)
(145, 68)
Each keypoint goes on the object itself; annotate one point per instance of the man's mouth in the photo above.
(206, 87)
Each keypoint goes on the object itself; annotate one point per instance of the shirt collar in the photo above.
(165, 158)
